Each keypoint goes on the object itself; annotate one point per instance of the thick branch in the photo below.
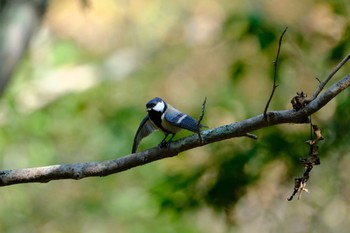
(238, 129)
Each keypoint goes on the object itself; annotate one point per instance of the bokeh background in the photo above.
(79, 93)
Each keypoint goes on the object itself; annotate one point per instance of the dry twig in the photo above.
(200, 120)
(275, 63)
(333, 72)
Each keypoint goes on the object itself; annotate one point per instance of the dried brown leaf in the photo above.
(299, 101)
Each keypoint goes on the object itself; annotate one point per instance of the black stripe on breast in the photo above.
(156, 118)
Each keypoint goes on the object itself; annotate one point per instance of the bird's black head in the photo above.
(157, 105)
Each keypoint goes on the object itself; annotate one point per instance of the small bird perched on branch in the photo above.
(164, 117)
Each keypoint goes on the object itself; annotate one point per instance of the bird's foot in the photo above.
(163, 144)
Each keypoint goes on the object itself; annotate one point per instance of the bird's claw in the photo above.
(163, 144)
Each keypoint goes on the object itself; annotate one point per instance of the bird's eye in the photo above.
(150, 105)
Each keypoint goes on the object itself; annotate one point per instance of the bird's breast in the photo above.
(169, 128)
(156, 118)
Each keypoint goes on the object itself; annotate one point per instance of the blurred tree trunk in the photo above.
(19, 19)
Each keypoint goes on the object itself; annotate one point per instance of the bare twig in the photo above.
(252, 136)
(318, 80)
(275, 63)
(199, 125)
(237, 129)
(333, 72)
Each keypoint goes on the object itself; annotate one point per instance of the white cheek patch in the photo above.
(159, 107)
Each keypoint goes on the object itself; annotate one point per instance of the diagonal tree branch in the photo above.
(238, 129)
(333, 72)
(18, 22)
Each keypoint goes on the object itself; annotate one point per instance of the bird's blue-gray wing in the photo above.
(146, 127)
(182, 120)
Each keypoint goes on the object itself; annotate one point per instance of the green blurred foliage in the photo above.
(79, 95)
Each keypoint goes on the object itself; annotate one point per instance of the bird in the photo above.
(164, 117)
